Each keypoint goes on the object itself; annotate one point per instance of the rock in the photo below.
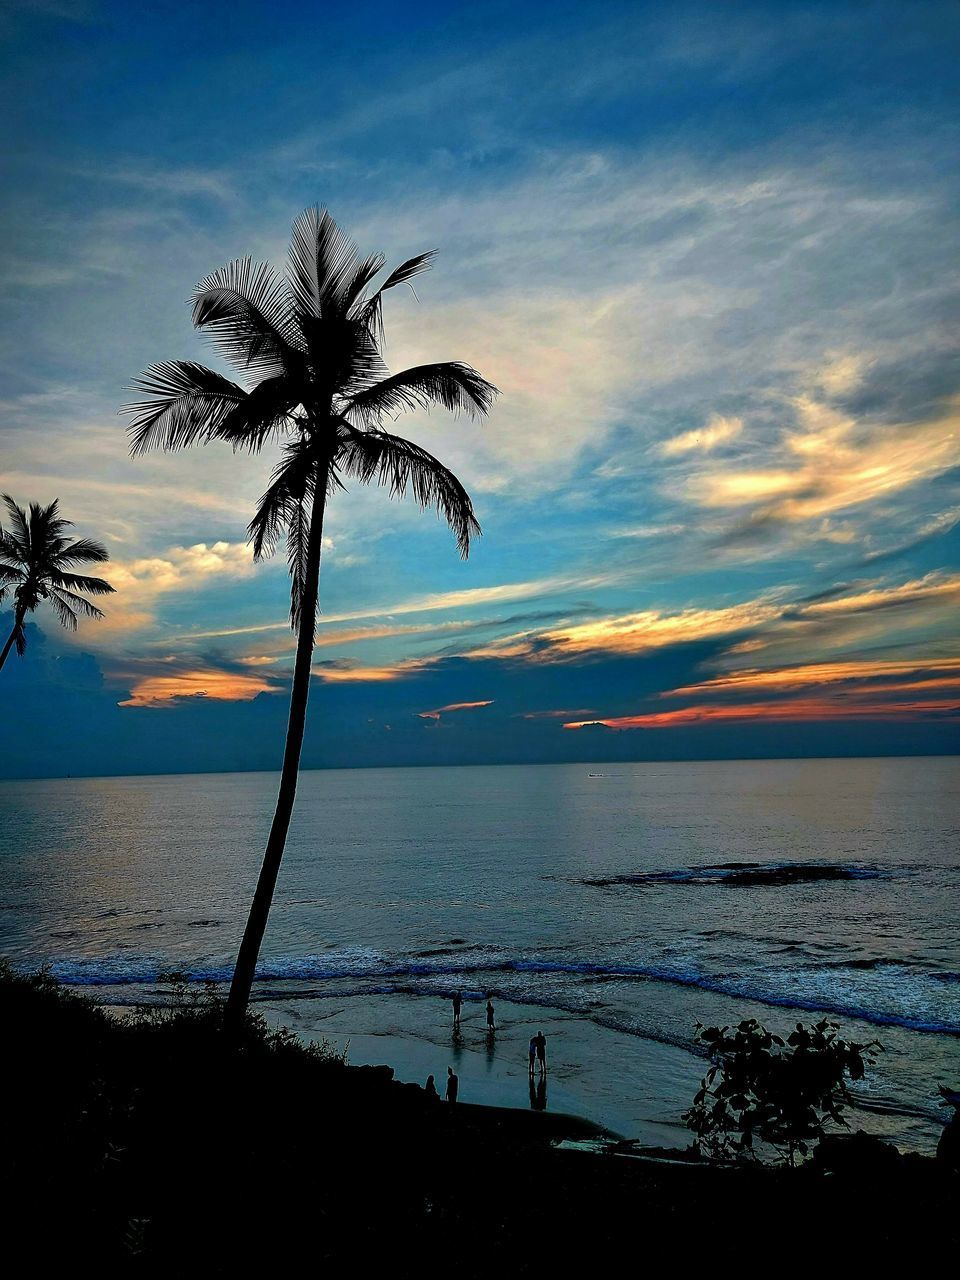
(948, 1148)
(860, 1153)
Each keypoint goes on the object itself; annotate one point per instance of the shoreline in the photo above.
(629, 1085)
(175, 1143)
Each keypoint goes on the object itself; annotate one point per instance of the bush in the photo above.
(760, 1088)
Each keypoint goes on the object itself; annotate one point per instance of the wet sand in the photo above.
(632, 1087)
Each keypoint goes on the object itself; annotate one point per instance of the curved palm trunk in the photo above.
(273, 854)
(17, 624)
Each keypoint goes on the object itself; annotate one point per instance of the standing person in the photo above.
(533, 1052)
(457, 1006)
(430, 1089)
(453, 1086)
(491, 1028)
(540, 1041)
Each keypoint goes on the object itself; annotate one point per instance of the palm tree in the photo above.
(36, 559)
(310, 342)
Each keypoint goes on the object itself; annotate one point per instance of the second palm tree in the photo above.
(312, 341)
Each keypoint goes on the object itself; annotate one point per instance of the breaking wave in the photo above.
(878, 992)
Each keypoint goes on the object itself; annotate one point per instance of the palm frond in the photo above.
(65, 615)
(185, 401)
(298, 540)
(71, 604)
(407, 270)
(18, 516)
(361, 277)
(82, 551)
(400, 465)
(285, 511)
(453, 385)
(262, 413)
(80, 582)
(370, 311)
(248, 311)
(289, 485)
(322, 259)
(10, 550)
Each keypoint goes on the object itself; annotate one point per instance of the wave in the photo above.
(824, 990)
(745, 873)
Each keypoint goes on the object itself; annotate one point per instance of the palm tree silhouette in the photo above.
(36, 559)
(313, 340)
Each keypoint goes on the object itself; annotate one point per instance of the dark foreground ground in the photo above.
(151, 1148)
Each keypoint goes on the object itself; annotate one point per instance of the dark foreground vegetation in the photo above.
(153, 1146)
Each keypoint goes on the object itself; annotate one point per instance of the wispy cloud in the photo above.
(787, 711)
(830, 463)
(636, 632)
(453, 706)
(466, 598)
(717, 431)
(926, 671)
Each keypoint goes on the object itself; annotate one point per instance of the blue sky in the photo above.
(707, 252)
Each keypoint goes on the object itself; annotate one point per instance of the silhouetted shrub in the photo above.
(762, 1088)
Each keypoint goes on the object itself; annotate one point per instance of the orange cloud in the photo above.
(836, 462)
(933, 586)
(785, 679)
(798, 709)
(650, 629)
(363, 675)
(222, 686)
(140, 582)
(453, 706)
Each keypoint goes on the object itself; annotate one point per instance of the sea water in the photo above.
(621, 903)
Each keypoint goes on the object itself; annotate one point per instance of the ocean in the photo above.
(612, 906)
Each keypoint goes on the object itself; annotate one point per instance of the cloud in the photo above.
(718, 431)
(638, 632)
(342, 671)
(930, 671)
(936, 587)
(815, 710)
(182, 568)
(171, 182)
(464, 598)
(139, 582)
(832, 462)
(223, 686)
(842, 373)
(453, 706)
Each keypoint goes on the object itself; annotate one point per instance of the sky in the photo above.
(708, 254)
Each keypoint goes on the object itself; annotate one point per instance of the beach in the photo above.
(169, 1146)
(633, 1088)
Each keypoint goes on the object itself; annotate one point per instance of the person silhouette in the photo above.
(540, 1042)
(453, 1086)
(533, 1052)
(430, 1089)
(491, 1027)
(457, 1006)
